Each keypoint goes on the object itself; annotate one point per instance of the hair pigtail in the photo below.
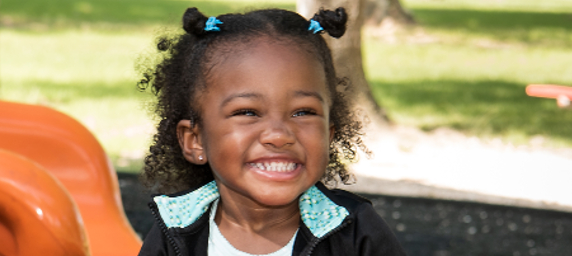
(333, 22)
(194, 21)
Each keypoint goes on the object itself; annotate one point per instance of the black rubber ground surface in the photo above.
(433, 227)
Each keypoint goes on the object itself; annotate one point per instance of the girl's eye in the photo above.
(244, 112)
(304, 112)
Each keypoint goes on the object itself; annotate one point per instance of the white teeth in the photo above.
(275, 166)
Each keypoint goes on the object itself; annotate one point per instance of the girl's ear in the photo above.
(190, 142)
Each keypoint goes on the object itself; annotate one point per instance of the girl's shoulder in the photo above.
(344, 198)
(364, 231)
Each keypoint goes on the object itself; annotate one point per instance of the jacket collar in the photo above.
(318, 212)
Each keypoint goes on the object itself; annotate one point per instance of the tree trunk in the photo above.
(378, 10)
(346, 53)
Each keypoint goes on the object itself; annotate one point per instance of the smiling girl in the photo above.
(251, 125)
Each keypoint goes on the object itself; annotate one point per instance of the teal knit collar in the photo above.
(320, 214)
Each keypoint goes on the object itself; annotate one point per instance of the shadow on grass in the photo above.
(522, 26)
(487, 20)
(137, 12)
(479, 107)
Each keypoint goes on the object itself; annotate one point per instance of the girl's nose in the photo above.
(277, 135)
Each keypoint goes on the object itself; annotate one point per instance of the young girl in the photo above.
(251, 124)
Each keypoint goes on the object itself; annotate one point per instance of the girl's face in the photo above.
(265, 123)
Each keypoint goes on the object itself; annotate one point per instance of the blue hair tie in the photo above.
(211, 24)
(315, 26)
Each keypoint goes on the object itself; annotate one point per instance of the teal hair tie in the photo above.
(315, 26)
(211, 24)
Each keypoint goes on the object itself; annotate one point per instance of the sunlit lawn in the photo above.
(465, 66)
(478, 90)
(113, 13)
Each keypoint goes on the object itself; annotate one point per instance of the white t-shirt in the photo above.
(219, 246)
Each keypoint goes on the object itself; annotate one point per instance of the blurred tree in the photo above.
(377, 11)
(346, 51)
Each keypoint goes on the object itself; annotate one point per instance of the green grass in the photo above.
(405, 62)
(528, 27)
(492, 5)
(465, 66)
(488, 108)
(111, 14)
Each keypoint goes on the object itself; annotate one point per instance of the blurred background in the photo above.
(449, 74)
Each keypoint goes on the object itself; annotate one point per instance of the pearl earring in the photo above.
(200, 158)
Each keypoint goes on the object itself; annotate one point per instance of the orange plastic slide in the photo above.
(69, 152)
(37, 215)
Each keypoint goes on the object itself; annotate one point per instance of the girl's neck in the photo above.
(251, 217)
(256, 229)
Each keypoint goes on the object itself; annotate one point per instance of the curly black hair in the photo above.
(186, 59)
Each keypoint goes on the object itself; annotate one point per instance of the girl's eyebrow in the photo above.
(240, 95)
(309, 94)
(297, 94)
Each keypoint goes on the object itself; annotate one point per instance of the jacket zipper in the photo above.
(316, 241)
(164, 229)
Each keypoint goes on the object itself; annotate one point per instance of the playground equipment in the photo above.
(37, 215)
(62, 150)
(562, 94)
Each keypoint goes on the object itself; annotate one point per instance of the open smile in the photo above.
(275, 166)
(276, 169)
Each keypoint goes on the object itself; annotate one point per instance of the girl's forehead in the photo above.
(226, 51)
(267, 63)
(263, 53)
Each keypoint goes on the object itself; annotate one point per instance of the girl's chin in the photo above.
(277, 198)
(279, 205)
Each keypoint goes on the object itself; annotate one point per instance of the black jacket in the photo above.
(359, 231)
